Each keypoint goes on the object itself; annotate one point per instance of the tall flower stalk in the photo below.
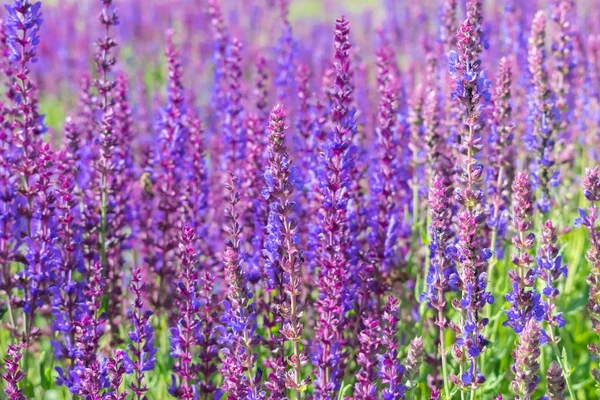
(501, 156)
(440, 269)
(240, 380)
(184, 337)
(282, 179)
(471, 87)
(335, 172)
(588, 219)
(544, 113)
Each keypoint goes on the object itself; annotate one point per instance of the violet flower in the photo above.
(555, 383)
(282, 179)
(334, 176)
(84, 378)
(544, 114)
(173, 135)
(233, 131)
(252, 174)
(563, 53)
(184, 334)
(241, 339)
(441, 269)
(525, 301)
(471, 87)
(365, 387)
(588, 219)
(115, 368)
(13, 373)
(526, 365)
(67, 294)
(550, 269)
(142, 351)
(386, 184)
(501, 154)
(412, 364)
(390, 368)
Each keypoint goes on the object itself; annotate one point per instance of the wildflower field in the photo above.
(288, 199)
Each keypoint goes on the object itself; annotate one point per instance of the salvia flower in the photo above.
(334, 175)
(588, 219)
(550, 268)
(142, 351)
(385, 181)
(184, 334)
(470, 88)
(526, 364)
(524, 299)
(442, 267)
(390, 368)
(282, 179)
(13, 373)
(241, 339)
(413, 362)
(366, 384)
(115, 369)
(555, 382)
(544, 113)
(501, 156)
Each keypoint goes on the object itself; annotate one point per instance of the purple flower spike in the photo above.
(471, 88)
(282, 179)
(13, 373)
(184, 334)
(501, 157)
(142, 351)
(588, 219)
(555, 382)
(390, 368)
(544, 112)
(524, 299)
(366, 383)
(238, 316)
(115, 368)
(550, 269)
(334, 175)
(526, 365)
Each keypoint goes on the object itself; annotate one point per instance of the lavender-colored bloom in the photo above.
(563, 53)
(334, 174)
(142, 351)
(390, 368)
(448, 25)
(233, 131)
(172, 138)
(366, 384)
(413, 362)
(84, 378)
(441, 267)
(282, 179)
(524, 299)
(470, 88)
(555, 383)
(115, 369)
(241, 338)
(501, 154)
(184, 337)
(13, 373)
(386, 184)
(544, 113)
(550, 269)
(588, 219)
(526, 365)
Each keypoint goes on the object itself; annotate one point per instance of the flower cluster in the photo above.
(290, 209)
